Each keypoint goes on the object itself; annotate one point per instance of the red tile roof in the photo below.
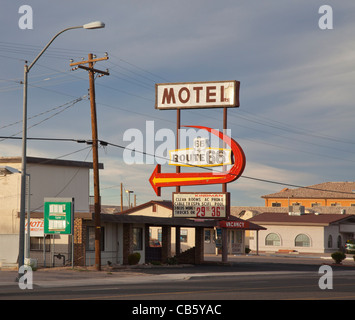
(306, 219)
(335, 190)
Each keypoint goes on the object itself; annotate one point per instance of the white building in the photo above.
(50, 178)
(311, 233)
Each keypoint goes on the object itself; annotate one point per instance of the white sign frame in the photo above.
(195, 95)
(191, 204)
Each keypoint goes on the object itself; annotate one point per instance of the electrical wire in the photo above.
(105, 143)
(67, 106)
(144, 80)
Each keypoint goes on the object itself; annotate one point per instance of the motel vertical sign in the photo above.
(194, 95)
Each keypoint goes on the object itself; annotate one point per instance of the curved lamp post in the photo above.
(91, 25)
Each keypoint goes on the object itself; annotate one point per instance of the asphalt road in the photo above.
(244, 278)
(301, 285)
(248, 286)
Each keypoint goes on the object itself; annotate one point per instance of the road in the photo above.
(247, 279)
(253, 286)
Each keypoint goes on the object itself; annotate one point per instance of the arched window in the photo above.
(302, 240)
(330, 241)
(272, 239)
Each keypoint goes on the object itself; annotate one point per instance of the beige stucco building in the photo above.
(303, 232)
(327, 194)
(50, 178)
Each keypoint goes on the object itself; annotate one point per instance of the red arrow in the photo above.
(159, 180)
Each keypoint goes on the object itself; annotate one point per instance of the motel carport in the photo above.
(125, 233)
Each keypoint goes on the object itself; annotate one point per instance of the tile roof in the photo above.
(305, 219)
(336, 190)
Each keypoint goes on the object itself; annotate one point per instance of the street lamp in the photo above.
(91, 25)
(129, 198)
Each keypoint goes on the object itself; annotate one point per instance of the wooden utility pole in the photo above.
(95, 142)
(121, 197)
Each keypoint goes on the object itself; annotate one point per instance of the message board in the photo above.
(201, 205)
(58, 215)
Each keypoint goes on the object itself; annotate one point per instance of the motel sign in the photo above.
(194, 95)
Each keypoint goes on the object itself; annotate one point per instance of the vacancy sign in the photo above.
(200, 205)
(195, 95)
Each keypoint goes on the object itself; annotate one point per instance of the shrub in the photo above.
(134, 258)
(338, 256)
(172, 260)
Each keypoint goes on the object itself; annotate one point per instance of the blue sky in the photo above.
(296, 115)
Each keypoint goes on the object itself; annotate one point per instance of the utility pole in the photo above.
(121, 197)
(91, 61)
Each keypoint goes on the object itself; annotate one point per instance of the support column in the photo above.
(177, 240)
(166, 245)
(199, 245)
(79, 242)
(224, 189)
(127, 241)
(146, 235)
(224, 245)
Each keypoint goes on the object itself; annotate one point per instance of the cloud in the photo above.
(293, 75)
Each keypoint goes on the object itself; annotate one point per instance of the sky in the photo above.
(296, 117)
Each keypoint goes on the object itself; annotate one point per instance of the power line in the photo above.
(70, 103)
(106, 143)
(67, 106)
(145, 76)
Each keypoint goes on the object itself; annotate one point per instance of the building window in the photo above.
(137, 238)
(316, 204)
(36, 243)
(302, 240)
(330, 241)
(183, 235)
(272, 239)
(339, 242)
(276, 204)
(335, 204)
(90, 239)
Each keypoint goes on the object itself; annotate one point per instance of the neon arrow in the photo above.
(159, 180)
